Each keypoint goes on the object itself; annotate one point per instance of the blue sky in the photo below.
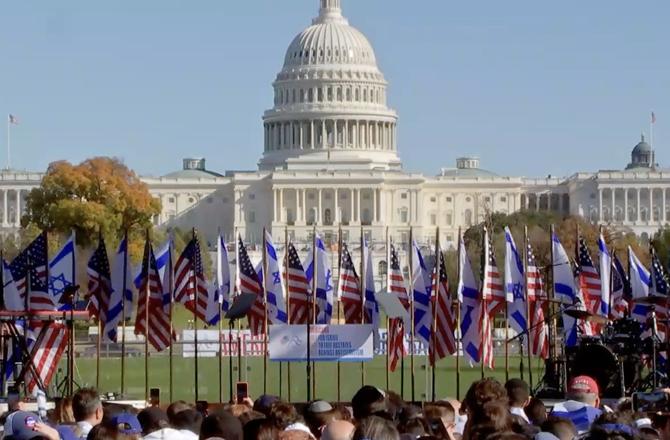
(532, 87)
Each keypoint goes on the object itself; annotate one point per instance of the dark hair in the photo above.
(283, 414)
(267, 431)
(223, 425)
(536, 411)
(187, 419)
(440, 410)
(518, 392)
(175, 408)
(377, 428)
(84, 403)
(252, 428)
(103, 432)
(490, 418)
(367, 401)
(416, 426)
(483, 391)
(561, 428)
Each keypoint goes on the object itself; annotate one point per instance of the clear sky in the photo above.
(532, 87)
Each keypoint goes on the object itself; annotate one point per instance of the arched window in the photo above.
(467, 217)
(365, 95)
(293, 97)
(320, 95)
(348, 94)
(327, 217)
(310, 95)
(330, 94)
(339, 94)
(358, 95)
(302, 95)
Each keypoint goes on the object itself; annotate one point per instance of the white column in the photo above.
(651, 205)
(17, 218)
(358, 205)
(281, 206)
(419, 205)
(274, 204)
(301, 140)
(304, 206)
(345, 140)
(324, 134)
(357, 137)
(319, 217)
(613, 217)
(337, 206)
(625, 204)
(311, 135)
(4, 211)
(663, 217)
(375, 215)
(382, 205)
(351, 197)
(600, 204)
(639, 205)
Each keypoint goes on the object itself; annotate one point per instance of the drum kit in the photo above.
(622, 357)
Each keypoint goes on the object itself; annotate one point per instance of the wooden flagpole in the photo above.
(459, 340)
(411, 299)
(529, 319)
(436, 307)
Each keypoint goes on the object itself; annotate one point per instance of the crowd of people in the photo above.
(489, 411)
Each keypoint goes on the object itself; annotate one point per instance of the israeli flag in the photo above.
(640, 284)
(274, 287)
(165, 266)
(469, 298)
(371, 306)
(12, 298)
(421, 293)
(62, 272)
(515, 285)
(223, 278)
(605, 278)
(122, 293)
(324, 281)
(564, 288)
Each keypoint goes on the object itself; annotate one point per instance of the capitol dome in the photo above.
(642, 156)
(330, 108)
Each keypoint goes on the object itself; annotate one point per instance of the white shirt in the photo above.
(84, 428)
(188, 434)
(519, 412)
(166, 434)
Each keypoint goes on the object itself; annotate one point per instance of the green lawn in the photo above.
(326, 377)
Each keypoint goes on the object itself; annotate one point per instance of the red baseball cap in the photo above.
(583, 384)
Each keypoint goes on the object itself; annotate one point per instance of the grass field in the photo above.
(326, 377)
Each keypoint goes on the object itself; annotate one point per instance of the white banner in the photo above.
(344, 343)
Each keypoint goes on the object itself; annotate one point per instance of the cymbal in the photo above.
(652, 300)
(586, 316)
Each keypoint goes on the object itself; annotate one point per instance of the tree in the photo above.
(100, 194)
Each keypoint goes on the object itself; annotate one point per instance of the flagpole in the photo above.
(147, 292)
(171, 290)
(436, 307)
(388, 320)
(9, 142)
(411, 297)
(266, 276)
(218, 282)
(194, 284)
(311, 307)
(459, 340)
(238, 238)
(123, 315)
(484, 313)
(528, 311)
(363, 287)
(339, 306)
(288, 308)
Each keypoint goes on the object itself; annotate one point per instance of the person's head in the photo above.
(338, 430)
(320, 413)
(415, 426)
(441, 418)
(125, 423)
(87, 406)
(536, 411)
(267, 430)
(367, 401)
(564, 429)
(661, 422)
(584, 389)
(223, 425)
(188, 419)
(63, 411)
(377, 428)
(343, 412)
(152, 419)
(518, 392)
(175, 408)
(264, 404)
(482, 392)
(283, 414)
(19, 426)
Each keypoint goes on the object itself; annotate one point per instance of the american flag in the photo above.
(620, 289)
(249, 282)
(47, 354)
(158, 331)
(493, 289)
(486, 348)
(659, 287)
(29, 269)
(443, 341)
(350, 289)
(99, 283)
(190, 282)
(588, 277)
(396, 336)
(539, 334)
(299, 289)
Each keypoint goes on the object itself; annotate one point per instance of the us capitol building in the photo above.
(330, 158)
